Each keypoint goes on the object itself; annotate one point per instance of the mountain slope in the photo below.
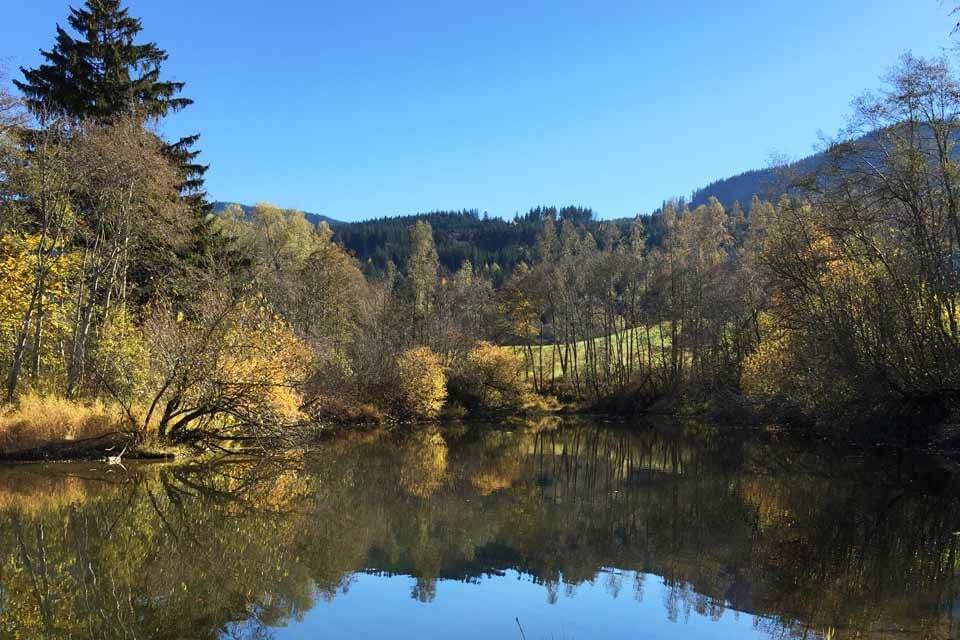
(501, 244)
(314, 218)
(773, 182)
(769, 183)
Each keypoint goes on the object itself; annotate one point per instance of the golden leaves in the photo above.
(423, 384)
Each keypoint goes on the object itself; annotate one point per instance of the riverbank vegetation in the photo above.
(127, 307)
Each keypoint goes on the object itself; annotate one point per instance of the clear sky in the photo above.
(359, 109)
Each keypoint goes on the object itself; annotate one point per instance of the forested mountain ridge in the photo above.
(314, 218)
(501, 244)
(769, 183)
(777, 180)
(487, 242)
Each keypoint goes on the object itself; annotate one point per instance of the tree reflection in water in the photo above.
(813, 541)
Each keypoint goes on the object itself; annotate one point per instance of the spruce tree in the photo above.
(103, 73)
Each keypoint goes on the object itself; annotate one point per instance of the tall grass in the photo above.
(36, 421)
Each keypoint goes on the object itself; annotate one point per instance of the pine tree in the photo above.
(103, 73)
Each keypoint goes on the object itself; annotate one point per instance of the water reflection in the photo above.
(575, 530)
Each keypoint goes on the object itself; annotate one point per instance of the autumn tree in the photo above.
(229, 370)
(465, 312)
(489, 379)
(422, 273)
(863, 276)
(128, 210)
(312, 283)
(39, 205)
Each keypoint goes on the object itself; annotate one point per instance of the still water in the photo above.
(563, 530)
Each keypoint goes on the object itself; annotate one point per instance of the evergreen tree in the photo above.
(103, 73)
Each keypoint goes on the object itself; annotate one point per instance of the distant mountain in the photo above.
(769, 184)
(379, 235)
(501, 244)
(774, 182)
(487, 242)
(491, 243)
(314, 218)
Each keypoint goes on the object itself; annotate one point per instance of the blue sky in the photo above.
(360, 109)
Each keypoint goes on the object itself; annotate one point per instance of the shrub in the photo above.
(491, 379)
(422, 384)
(329, 409)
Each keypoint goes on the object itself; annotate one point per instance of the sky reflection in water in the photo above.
(382, 607)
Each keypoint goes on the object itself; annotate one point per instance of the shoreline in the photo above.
(93, 450)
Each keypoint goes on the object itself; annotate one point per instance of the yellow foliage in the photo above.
(19, 264)
(769, 369)
(281, 236)
(424, 464)
(231, 365)
(423, 384)
(842, 275)
(16, 273)
(518, 307)
(123, 359)
(263, 354)
(498, 372)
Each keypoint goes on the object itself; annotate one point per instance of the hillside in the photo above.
(769, 183)
(485, 241)
(500, 244)
(315, 218)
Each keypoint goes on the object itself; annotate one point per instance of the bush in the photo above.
(329, 409)
(422, 384)
(491, 379)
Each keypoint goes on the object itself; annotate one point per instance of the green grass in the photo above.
(659, 337)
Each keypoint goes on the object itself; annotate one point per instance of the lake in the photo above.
(551, 529)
